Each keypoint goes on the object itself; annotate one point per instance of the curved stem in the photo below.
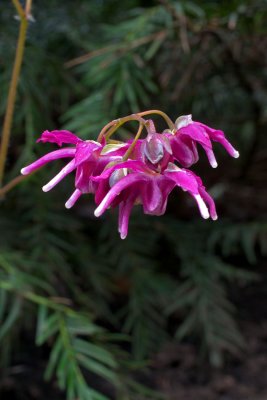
(131, 147)
(105, 128)
(162, 114)
(129, 151)
(116, 124)
(14, 83)
(112, 126)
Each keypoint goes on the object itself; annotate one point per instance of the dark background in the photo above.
(179, 307)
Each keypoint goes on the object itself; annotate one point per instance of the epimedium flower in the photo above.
(188, 133)
(138, 171)
(88, 158)
(133, 182)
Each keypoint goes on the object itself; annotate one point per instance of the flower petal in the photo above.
(85, 150)
(206, 197)
(190, 182)
(53, 155)
(73, 198)
(198, 134)
(209, 200)
(202, 206)
(184, 179)
(183, 120)
(166, 186)
(125, 209)
(218, 136)
(117, 189)
(59, 137)
(184, 150)
(64, 172)
(151, 197)
(136, 166)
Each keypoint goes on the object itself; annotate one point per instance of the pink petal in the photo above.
(151, 197)
(85, 150)
(205, 196)
(184, 150)
(117, 189)
(101, 191)
(136, 166)
(190, 182)
(64, 172)
(202, 206)
(59, 137)
(53, 155)
(83, 176)
(166, 186)
(209, 200)
(197, 133)
(184, 179)
(218, 136)
(124, 215)
(73, 198)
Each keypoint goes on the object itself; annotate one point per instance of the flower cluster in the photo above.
(139, 171)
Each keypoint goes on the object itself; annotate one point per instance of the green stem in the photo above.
(129, 151)
(37, 299)
(162, 114)
(113, 126)
(19, 8)
(13, 84)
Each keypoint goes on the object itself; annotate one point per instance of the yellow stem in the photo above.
(109, 127)
(13, 86)
(129, 151)
(19, 8)
(114, 125)
(162, 114)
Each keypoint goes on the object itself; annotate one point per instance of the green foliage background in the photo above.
(99, 306)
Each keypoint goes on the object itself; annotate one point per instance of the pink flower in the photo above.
(188, 134)
(85, 159)
(131, 182)
(139, 171)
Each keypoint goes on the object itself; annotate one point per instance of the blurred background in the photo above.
(178, 309)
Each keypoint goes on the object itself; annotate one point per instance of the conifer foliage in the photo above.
(98, 306)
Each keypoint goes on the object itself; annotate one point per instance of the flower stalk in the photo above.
(162, 114)
(114, 125)
(132, 146)
(8, 119)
